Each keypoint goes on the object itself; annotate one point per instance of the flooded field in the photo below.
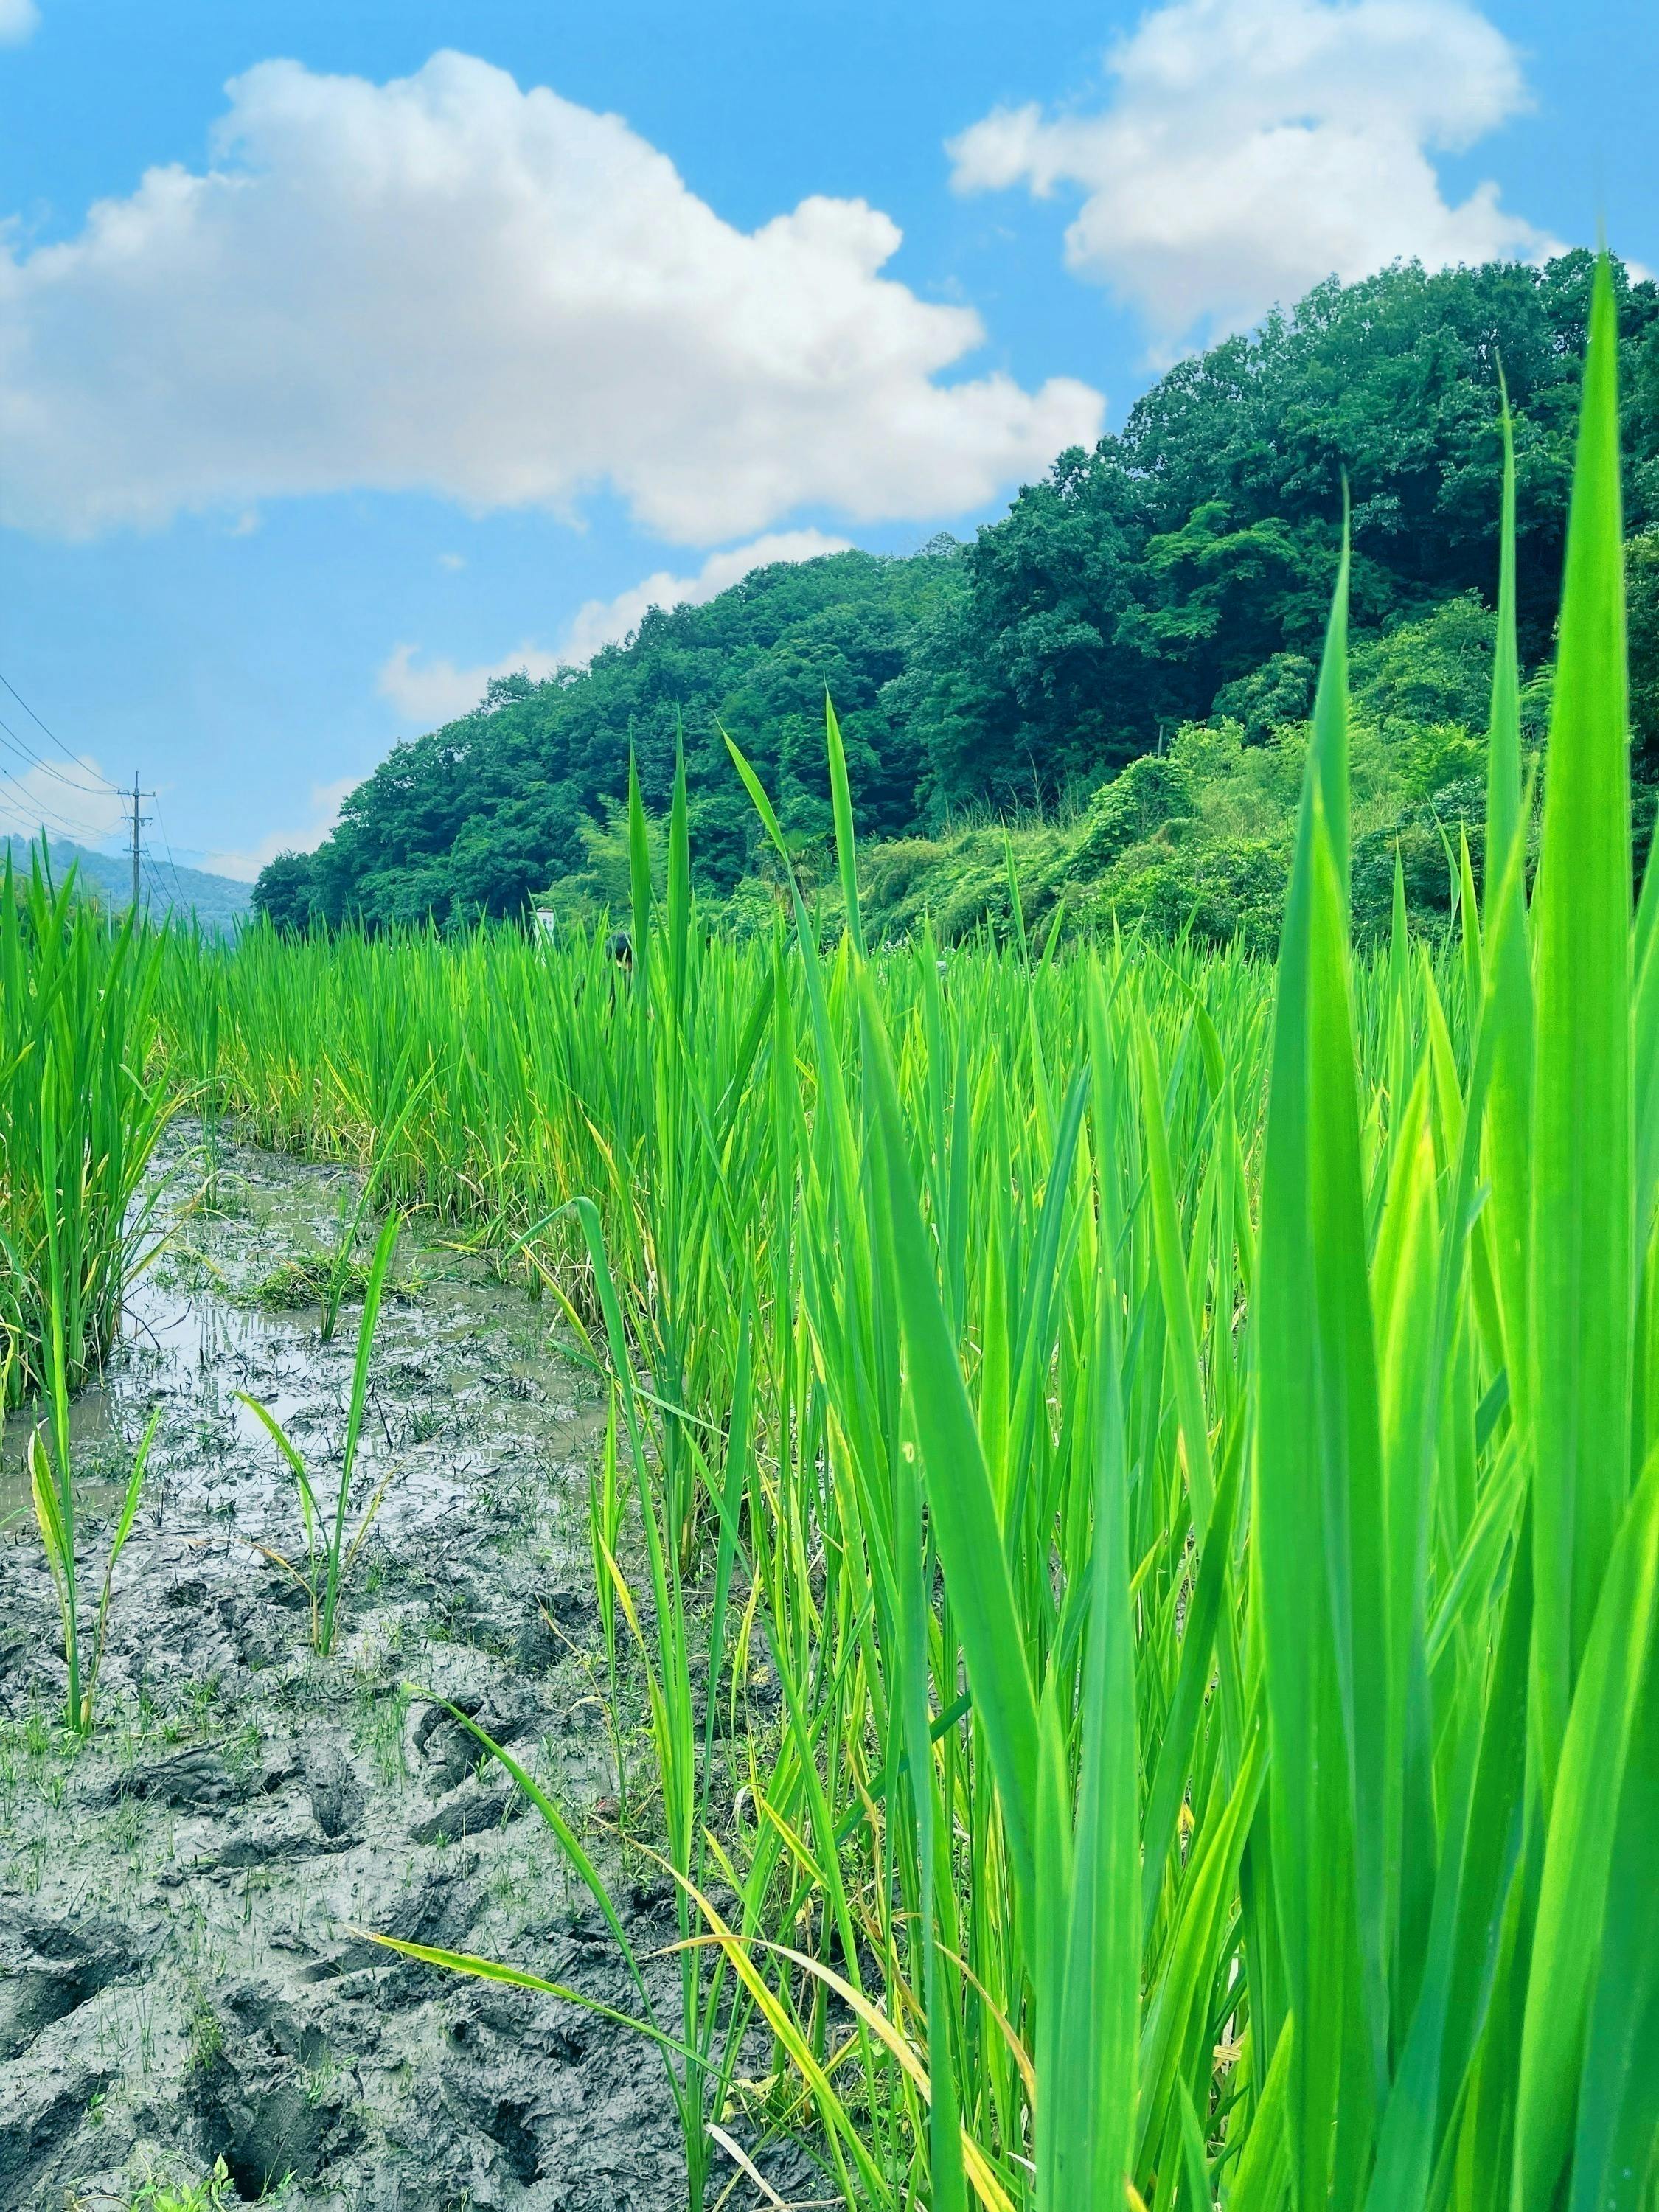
(182, 1973)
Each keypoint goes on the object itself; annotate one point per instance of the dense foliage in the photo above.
(1178, 574)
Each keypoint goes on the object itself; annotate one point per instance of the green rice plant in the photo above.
(81, 1111)
(51, 1485)
(169, 2193)
(342, 1270)
(606, 1504)
(1151, 1454)
(330, 1552)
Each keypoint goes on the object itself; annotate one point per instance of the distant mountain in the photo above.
(218, 903)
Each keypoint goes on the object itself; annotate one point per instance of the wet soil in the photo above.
(181, 1978)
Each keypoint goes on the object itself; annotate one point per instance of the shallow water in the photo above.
(182, 1975)
(464, 1370)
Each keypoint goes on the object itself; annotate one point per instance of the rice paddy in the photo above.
(1127, 1501)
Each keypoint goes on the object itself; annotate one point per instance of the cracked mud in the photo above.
(180, 1976)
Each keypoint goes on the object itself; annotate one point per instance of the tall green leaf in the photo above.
(1582, 1261)
(846, 847)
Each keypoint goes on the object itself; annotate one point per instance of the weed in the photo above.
(169, 2193)
(329, 1555)
(205, 2034)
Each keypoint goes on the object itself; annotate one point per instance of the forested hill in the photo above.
(218, 903)
(1175, 577)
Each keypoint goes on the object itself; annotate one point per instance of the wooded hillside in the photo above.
(1173, 579)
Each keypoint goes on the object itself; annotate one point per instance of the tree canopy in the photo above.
(1178, 573)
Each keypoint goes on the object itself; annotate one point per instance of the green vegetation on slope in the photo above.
(1178, 574)
(1198, 836)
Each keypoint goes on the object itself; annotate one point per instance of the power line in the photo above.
(28, 799)
(22, 747)
(73, 758)
(172, 863)
(28, 802)
(97, 789)
(163, 903)
(98, 785)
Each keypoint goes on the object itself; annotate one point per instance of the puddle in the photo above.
(181, 1973)
(467, 1386)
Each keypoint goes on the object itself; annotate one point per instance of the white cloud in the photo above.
(1251, 148)
(607, 622)
(453, 561)
(326, 799)
(438, 691)
(18, 20)
(447, 284)
(75, 802)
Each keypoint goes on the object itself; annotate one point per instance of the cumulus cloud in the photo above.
(74, 801)
(448, 284)
(326, 799)
(437, 690)
(18, 20)
(607, 622)
(1249, 149)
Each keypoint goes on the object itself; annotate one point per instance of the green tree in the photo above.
(284, 892)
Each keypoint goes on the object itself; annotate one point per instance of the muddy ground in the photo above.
(179, 1979)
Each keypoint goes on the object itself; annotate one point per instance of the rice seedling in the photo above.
(329, 1551)
(168, 2192)
(51, 1485)
(342, 1271)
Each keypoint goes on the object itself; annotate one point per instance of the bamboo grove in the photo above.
(1173, 1438)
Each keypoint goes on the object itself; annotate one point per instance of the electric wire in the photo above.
(29, 802)
(46, 730)
(99, 787)
(32, 799)
(78, 832)
(173, 864)
(22, 747)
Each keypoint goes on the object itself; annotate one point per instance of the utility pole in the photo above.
(137, 819)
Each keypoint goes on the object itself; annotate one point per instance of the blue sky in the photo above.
(333, 374)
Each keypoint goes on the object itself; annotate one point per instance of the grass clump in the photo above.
(169, 2192)
(294, 1286)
